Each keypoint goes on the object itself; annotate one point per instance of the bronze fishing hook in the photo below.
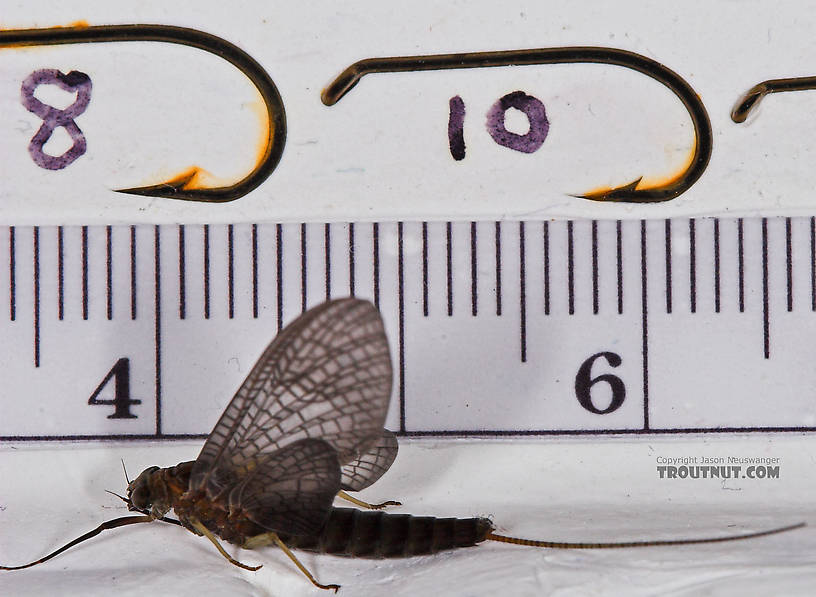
(184, 186)
(749, 100)
(631, 192)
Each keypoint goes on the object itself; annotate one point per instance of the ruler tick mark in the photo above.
(157, 318)
(327, 257)
(765, 305)
(716, 265)
(255, 271)
(473, 271)
(133, 272)
(498, 270)
(813, 263)
(789, 261)
(595, 267)
(401, 309)
(230, 272)
(12, 276)
(206, 271)
(36, 233)
(570, 268)
(619, 257)
(375, 229)
(693, 265)
(182, 274)
(546, 233)
(425, 269)
(84, 272)
(449, 262)
(522, 296)
(303, 277)
(109, 272)
(279, 271)
(668, 266)
(60, 274)
(351, 257)
(644, 309)
(741, 264)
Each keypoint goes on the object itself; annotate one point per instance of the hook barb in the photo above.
(631, 192)
(183, 187)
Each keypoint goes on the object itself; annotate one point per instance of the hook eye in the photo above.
(633, 192)
(751, 98)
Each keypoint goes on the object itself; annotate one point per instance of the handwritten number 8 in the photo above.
(53, 118)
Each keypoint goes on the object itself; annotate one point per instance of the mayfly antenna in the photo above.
(105, 526)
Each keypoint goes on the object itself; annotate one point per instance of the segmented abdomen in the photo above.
(363, 534)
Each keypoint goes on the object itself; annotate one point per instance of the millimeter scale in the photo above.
(532, 327)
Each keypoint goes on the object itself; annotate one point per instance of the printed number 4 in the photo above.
(120, 373)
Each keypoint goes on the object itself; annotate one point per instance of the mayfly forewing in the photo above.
(362, 472)
(290, 490)
(327, 376)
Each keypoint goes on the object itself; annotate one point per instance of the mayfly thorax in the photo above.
(306, 426)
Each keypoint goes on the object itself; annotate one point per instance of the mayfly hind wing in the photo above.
(291, 489)
(362, 472)
(325, 376)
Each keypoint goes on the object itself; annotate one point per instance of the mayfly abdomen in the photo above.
(364, 534)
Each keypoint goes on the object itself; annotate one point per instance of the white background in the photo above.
(382, 153)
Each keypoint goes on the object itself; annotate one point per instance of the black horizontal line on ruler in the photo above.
(436, 433)
(113, 437)
(651, 431)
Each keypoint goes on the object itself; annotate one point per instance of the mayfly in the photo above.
(304, 427)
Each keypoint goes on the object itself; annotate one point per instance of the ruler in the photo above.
(497, 328)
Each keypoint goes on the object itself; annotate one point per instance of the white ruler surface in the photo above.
(497, 328)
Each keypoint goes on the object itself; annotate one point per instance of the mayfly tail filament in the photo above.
(623, 544)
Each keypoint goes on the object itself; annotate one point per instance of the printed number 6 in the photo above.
(584, 383)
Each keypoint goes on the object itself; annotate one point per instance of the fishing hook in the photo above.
(749, 100)
(629, 193)
(184, 186)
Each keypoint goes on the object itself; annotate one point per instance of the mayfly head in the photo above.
(140, 491)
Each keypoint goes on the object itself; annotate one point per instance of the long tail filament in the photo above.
(622, 544)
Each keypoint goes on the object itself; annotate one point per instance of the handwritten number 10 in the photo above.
(530, 106)
(53, 118)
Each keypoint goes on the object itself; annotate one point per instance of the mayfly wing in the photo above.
(289, 489)
(326, 376)
(359, 474)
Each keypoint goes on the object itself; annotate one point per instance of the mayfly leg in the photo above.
(197, 525)
(344, 496)
(301, 567)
